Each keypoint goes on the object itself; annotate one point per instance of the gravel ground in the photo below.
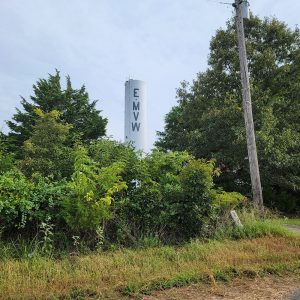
(294, 296)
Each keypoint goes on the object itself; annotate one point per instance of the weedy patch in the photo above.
(123, 273)
(225, 275)
(78, 293)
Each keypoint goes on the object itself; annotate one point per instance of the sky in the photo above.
(101, 43)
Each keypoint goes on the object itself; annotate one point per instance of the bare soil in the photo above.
(267, 288)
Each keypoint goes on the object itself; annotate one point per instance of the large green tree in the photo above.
(208, 119)
(74, 106)
(47, 152)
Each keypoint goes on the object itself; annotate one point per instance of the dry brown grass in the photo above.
(267, 288)
(104, 274)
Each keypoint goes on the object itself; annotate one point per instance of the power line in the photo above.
(220, 2)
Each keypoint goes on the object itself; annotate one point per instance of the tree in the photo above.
(74, 107)
(6, 159)
(46, 151)
(208, 120)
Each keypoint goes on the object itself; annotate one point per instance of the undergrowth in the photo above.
(261, 246)
(252, 229)
(254, 226)
(225, 275)
(113, 274)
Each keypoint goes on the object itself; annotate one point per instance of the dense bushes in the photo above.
(15, 199)
(91, 192)
(26, 203)
(116, 194)
(176, 199)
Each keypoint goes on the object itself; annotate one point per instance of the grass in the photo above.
(253, 229)
(287, 221)
(114, 275)
(254, 226)
(224, 275)
(256, 249)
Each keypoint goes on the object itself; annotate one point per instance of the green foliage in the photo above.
(15, 202)
(74, 105)
(175, 200)
(208, 119)
(282, 200)
(196, 207)
(26, 203)
(251, 229)
(226, 200)
(19, 248)
(6, 158)
(91, 191)
(46, 151)
(47, 196)
(47, 231)
(105, 152)
(147, 205)
(6, 161)
(114, 195)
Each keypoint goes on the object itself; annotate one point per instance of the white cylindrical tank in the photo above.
(245, 9)
(135, 113)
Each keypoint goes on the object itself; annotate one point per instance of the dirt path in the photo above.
(294, 296)
(268, 288)
(293, 228)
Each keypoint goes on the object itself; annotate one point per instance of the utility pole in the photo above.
(239, 6)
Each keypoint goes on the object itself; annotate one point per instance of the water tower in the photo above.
(135, 114)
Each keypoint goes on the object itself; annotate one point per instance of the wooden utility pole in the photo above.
(251, 144)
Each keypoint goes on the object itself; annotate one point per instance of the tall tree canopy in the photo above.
(46, 152)
(208, 119)
(74, 107)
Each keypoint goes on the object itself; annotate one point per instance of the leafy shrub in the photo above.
(226, 200)
(105, 152)
(196, 205)
(116, 196)
(91, 191)
(15, 202)
(47, 196)
(47, 231)
(147, 205)
(175, 200)
(26, 203)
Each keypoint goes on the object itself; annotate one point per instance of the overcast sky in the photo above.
(100, 43)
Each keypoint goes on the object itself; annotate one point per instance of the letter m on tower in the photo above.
(136, 106)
